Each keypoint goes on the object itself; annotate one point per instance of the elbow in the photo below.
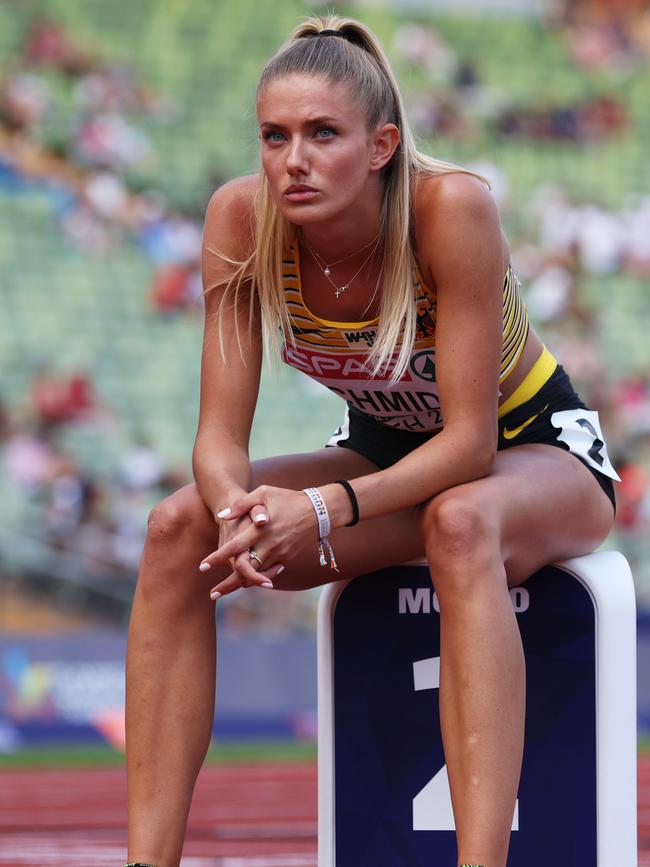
(195, 464)
(200, 454)
(479, 465)
(480, 457)
(485, 459)
(196, 457)
(486, 451)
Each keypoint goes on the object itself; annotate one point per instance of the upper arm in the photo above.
(232, 353)
(460, 242)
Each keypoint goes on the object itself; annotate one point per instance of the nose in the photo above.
(297, 163)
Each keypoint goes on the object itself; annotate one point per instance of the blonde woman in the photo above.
(385, 275)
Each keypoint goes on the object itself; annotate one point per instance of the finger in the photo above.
(228, 585)
(243, 505)
(235, 581)
(253, 571)
(259, 515)
(237, 545)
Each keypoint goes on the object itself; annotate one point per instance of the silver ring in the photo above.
(255, 556)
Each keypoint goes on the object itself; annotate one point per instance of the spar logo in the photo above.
(423, 365)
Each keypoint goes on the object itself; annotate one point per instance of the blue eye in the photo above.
(272, 136)
(325, 132)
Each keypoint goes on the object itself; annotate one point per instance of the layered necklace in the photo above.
(327, 268)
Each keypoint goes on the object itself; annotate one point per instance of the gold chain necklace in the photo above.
(326, 269)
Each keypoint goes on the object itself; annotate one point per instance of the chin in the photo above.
(305, 214)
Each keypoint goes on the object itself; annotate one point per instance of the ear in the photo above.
(384, 143)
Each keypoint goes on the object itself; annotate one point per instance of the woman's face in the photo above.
(320, 159)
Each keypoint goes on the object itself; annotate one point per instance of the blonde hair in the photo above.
(359, 61)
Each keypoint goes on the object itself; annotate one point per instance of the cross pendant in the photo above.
(340, 290)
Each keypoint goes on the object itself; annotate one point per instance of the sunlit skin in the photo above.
(313, 133)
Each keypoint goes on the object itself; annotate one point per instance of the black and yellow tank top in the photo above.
(336, 353)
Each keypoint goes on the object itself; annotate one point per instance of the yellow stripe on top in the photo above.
(536, 377)
(315, 332)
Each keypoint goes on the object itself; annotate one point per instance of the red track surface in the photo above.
(243, 816)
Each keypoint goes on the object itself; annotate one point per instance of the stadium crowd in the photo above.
(84, 166)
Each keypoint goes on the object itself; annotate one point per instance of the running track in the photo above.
(243, 816)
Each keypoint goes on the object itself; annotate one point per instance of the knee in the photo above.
(171, 519)
(461, 539)
(181, 532)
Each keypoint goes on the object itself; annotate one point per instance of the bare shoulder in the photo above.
(228, 230)
(229, 214)
(455, 195)
(452, 212)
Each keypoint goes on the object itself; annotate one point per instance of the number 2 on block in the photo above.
(432, 809)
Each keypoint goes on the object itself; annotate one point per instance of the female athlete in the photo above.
(385, 275)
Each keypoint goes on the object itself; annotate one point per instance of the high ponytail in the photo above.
(345, 51)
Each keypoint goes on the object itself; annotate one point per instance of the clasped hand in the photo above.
(275, 523)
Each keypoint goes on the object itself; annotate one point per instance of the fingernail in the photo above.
(279, 569)
(214, 594)
(261, 518)
(224, 512)
(204, 567)
(267, 584)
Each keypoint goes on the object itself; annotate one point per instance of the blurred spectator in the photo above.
(171, 289)
(425, 48)
(69, 498)
(107, 195)
(631, 398)
(171, 238)
(48, 44)
(25, 99)
(633, 498)
(590, 120)
(58, 398)
(30, 459)
(610, 34)
(140, 467)
(5, 422)
(107, 140)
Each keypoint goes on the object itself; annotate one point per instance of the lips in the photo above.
(300, 193)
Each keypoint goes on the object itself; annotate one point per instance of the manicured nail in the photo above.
(204, 567)
(279, 570)
(214, 594)
(224, 512)
(267, 584)
(261, 518)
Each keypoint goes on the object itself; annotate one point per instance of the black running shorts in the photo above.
(554, 416)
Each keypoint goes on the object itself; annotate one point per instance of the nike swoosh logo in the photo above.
(511, 434)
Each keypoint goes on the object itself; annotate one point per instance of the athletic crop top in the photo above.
(335, 353)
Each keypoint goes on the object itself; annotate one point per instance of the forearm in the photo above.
(444, 462)
(222, 472)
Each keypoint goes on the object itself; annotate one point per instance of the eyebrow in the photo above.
(309, 122)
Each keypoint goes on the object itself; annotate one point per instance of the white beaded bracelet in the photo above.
(324, 526)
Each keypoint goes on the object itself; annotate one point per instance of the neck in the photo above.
(345, 233)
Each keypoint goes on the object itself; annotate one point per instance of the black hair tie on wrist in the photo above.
(353, 500)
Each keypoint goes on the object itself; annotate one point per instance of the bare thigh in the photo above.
(539, 505)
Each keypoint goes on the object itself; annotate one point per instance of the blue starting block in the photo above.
(383, 796)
